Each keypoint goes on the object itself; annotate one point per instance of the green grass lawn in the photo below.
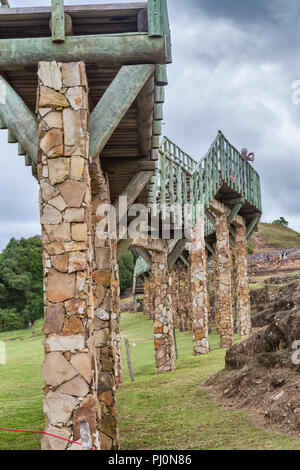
(169, 411)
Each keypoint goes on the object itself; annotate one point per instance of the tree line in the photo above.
(21, 282)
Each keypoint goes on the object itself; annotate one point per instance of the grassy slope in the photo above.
(275, 236)
(169, 411)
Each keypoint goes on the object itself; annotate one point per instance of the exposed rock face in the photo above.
(262, 374)
(66, 217)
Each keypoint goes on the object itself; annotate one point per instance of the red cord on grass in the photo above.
(41, 432)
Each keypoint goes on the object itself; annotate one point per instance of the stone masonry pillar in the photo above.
(174, 283)
(199, 290)
(223, 282)
(116, 315)
(182, 297)
(104, 276)
(243, 307)
(146, 298)
(69, 369)
(234, 287)
(163, 325)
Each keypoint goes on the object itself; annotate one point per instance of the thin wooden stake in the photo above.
(175, 343)
(129, 359)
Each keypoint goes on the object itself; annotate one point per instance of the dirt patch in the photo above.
(260, 376)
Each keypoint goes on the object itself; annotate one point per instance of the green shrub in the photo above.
(126, 268)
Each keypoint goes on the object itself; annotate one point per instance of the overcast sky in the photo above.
(234, 62)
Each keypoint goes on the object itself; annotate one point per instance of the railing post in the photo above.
(58, 21)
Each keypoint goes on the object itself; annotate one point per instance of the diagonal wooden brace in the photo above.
(115, 103)
(18, 119)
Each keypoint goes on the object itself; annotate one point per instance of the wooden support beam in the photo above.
(159, 94)
(234, 212)
(145, 116)
(123, 246)
(175, 253)
(161, 77)
(155, 142)
(158, 112)
(11, 138)
(155, 20)
(145, 255)
(105, 50)
(210, 248)
(134, 188)
(157, 127)
(114, 104)
(21, 151)
(252, 226)
(210, 216)
(184, 260)
(58, 21)
(127, 166)
(20, 121)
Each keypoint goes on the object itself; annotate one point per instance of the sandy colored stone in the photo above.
(73, 325)
(88, 412)
(82, 363)
(60, 262)
(56, 369)
(53, 120)
(74, 134)
(71, 74)
(76, 167)
(106, 442)
(52, 99)
(73, 192)
(102, 258)
(75, 307)
(76, 387)
(65, 343)
(77, 98)
(102, 277)
(74, 215)
(50, 75)
(58, 248)
(58, 232)
(107, 397)
(58, 202)
(77, 262)
(48, 191)
(51, 443)
(54, 319)
(51, 216)
(79, 232)
(59, 169)
(60, 286)
(101, 337)
(52, 143)
(58, 407)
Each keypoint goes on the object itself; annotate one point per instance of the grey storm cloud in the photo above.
(234, 62)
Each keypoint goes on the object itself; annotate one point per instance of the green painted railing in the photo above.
(181, 180)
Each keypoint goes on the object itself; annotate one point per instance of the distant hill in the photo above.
(272, 236)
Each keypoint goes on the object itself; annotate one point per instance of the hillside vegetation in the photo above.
(274, 236)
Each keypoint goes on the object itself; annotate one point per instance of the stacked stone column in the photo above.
(146, 299)
(234, 287)
(224, 313)
(69, 369)
(243, 307)
(199, 290)
(163, 324)
(104, 276)
(182, 297)
(174, 291)
(116, 314)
